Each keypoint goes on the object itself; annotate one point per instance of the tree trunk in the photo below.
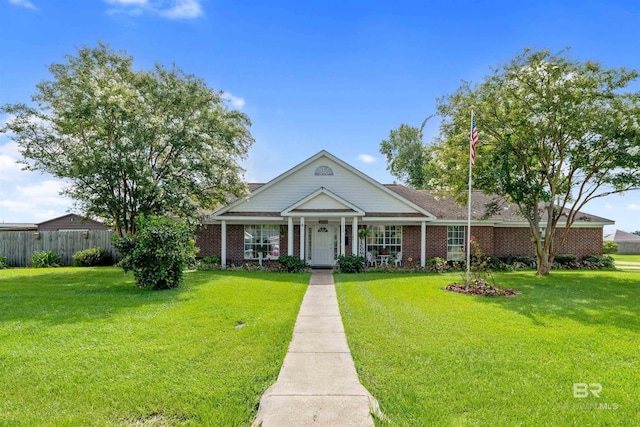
(544, 266)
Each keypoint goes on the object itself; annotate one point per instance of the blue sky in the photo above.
(311, 75)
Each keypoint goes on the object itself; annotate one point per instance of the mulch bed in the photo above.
(481, 287)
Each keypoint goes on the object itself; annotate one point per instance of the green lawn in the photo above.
(87, 347)
(627, 258)
(436, 358)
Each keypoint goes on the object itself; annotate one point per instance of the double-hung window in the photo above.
(384, 238)
(455, 243)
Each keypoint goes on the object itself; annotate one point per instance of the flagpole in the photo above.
(471, 156)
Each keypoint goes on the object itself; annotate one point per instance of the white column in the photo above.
(342, 234)
(223, 248)
(423, 243)
(302, 234)
(290, 237)
(354, 236)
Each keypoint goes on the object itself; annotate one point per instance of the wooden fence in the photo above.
(18, 246)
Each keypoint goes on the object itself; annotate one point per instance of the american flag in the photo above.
(474, 139)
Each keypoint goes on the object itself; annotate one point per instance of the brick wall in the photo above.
(499, 241)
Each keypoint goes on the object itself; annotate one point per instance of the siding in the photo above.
(343, 183)
(71, 222)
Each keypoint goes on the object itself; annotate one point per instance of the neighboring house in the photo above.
(314, 210)
(71, 222)
(628, 243)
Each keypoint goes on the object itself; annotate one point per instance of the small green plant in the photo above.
(610, 247)
(519, 262)
(292, 264)
(92, 257)
(159, 253)
(351, 263)
(45, 259)
(211, 259)
(597, 262)
(437, 265)
(4, 262)
(567, 261)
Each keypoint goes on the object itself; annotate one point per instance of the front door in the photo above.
(323, 246)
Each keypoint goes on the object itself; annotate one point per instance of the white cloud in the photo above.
(608, 207)
(367, 158)
(23, 3)
(34, 202)
(237, 102)
(172, 9)
(633, 207)
(184, 9)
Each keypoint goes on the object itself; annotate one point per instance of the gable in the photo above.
(324, 171)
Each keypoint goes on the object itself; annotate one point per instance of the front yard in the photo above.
(436, 358)
(87, 347)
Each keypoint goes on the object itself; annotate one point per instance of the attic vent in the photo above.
(324, 170)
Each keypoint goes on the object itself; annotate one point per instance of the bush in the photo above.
(291, 264)
(437, 265)
(568, 261)
(351, 263)
(45, 259)
(93, 257)
(520, 261)
(598, 261)
(159, 253)
(4, 262)
(211, 259)
(610, 248)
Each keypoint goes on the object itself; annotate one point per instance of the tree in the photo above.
(408, 159)
(159, 252)
(555, 134)
(131, 142)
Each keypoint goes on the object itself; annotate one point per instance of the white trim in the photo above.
(423, 243)
(311, 159)
(302, 233)
(354, 236)
(342, 235)
(319, 191)
(290, 237)
(223, 244)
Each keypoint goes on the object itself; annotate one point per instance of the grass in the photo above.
(627, 258)
(87, 347)
(437, 358)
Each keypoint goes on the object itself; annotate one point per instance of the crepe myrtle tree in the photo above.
(555, 133)
(131, 141)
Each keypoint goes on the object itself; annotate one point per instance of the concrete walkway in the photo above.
(318, 384)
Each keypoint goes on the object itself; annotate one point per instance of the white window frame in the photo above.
(455, 242)
(384, 236)
(256, 235)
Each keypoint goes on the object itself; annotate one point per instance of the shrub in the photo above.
(4, 262)
(351, 263)
(598, 261)
(568, 261)
(45, 259)
(437, 264)
(93, 257)
(211, 259)
(610, 248)
(520, 261)
(159, 253)
(291, 264)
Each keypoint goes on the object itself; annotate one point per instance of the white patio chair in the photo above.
(399, 259)
(371, 260)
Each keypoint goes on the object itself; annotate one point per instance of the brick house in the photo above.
(315, 210)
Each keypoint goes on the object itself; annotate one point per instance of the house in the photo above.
(314, 211)
(628, 243)
(71, 222)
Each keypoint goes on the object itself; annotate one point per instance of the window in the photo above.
(261, 239)
(384, 238)
(324, 171)
(455, 243)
